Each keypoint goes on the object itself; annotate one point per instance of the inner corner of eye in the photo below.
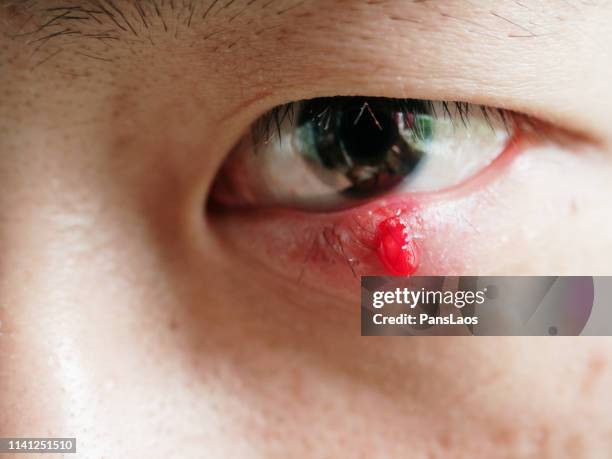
(334, 152)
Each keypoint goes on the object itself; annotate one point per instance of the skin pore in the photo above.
(139, 323)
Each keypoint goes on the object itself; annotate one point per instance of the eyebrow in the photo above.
(514, 49)
(90, 28)
(132, 15)
(53, 26)
(112, 19)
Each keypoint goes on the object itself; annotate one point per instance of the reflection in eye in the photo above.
(330, 153)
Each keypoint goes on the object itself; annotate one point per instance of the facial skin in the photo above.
(141, 324)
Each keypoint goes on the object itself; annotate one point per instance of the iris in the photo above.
(375, 143)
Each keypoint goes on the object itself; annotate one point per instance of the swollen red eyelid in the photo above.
(391, 235)
(400, 234)
(381, 238)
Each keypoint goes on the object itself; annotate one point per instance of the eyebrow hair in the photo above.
(129, 15)
(95, 26)
(53, 25)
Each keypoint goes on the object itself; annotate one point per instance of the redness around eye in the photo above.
(397, 234)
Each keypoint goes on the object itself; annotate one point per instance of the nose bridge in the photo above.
(91, 208)
(72, 248)
(58, 227)
(45, 232)
(68, 224)
(51, 211)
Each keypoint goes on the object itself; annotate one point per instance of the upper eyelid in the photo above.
(583, 123)
(265, 109)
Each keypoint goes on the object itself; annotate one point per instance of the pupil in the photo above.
(366, 135)
(360, 138)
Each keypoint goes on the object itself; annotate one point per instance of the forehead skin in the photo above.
(516, 55)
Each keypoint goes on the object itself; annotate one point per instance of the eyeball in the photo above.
(331, 153)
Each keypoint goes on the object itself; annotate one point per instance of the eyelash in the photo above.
(270, 124)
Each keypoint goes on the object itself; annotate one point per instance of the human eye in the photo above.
(347, 180)
(331, 153)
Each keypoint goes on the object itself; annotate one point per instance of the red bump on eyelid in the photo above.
(396, 248)
(381, 237)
